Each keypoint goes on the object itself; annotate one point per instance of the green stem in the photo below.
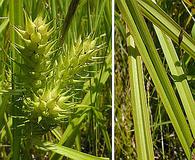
(53, 4)
(69, 16)
(15, 15)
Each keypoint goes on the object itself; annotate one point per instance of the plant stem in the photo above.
(53, 3)
(15, 12)
(69, 16)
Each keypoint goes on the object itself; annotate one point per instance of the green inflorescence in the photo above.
(36, 54)
(44, 77)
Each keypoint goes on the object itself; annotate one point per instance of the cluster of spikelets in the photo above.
(43, 77)
(35, 52)
(36, 67)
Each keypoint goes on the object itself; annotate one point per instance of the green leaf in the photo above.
(4, 25)
(70, 133)
(144, 42)
(70, 153)
(179, 77)
(193, 31)
(139, 104)
(164, 22)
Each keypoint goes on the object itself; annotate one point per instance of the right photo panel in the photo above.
(154, 79)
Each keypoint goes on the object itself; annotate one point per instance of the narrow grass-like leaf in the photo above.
(147, 50)
(8, 123)
(157, 16)
(4, 25)
(16, 131)
(1, 2)
(70, 153)
(54, 14)
(70, 133)
(139, 104)
(99, 14)
(106, 71)
(100, 121)
(178, 76)
(3, 105)
(69, 16)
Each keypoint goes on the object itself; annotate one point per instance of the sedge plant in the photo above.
(55, 86)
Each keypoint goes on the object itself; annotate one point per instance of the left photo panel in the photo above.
(55, 79)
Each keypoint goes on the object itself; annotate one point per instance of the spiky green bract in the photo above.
(75, 60)
(45, 77)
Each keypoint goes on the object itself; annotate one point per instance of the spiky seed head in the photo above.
(30, 26)
(39, 21)
(42, 106)
(35, 36)
(44, 96)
